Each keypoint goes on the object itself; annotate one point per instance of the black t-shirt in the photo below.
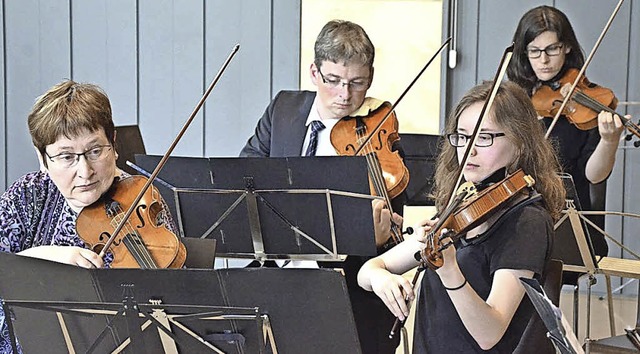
(575, 147)
(522, 241)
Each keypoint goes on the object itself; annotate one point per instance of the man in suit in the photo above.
(299, 123)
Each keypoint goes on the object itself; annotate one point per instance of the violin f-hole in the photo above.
(139, 210)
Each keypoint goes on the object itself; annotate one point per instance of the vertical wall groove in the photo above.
(71, 76)
(3, 160)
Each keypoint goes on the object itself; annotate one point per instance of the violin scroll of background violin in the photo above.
(141, 244)
(468, 211)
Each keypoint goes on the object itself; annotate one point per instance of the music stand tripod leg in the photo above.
(9, 320)
(612, 323)
(131, 314)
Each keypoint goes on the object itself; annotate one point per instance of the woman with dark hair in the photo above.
(474, 301)
(545, 47)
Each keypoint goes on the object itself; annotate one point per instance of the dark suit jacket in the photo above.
(281, 129)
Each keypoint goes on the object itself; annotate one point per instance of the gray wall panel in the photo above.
(286, 46)
(464, 75)
(245, 89)
(496, 34)
(588, 20)
(171, 64)
(104, 52)
(37, 56)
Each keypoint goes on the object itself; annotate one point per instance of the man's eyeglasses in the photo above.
(70, 159)
(355, 85)
(551, 51)
(484, 139)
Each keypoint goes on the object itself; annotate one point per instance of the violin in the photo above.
(388, 176)
(141, 244)
(468, 210)
(144, 244)
(588, 100)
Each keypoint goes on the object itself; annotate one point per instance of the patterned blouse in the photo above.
(34, 213)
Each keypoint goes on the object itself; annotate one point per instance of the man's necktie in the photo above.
(316, 126)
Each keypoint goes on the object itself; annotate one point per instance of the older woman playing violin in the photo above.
(73, 134)
(545, 48)
(474, 301)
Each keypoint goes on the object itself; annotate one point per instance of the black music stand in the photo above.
(52, 306)
(128, 144)
(420, 154)
(313, 208)
(550, 315)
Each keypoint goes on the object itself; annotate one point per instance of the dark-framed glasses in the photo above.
(70, 159)
(551, 51)
(355, 85)
(484, 139)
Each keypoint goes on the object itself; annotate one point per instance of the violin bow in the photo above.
(502, 69)
(164, 159)
(583, 69)
(393, 107)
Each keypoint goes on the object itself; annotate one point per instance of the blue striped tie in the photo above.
(316, 126)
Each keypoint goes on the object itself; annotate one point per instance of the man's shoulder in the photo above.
(297, 96)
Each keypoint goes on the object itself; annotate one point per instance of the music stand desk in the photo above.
(272, 208)
(306, 310)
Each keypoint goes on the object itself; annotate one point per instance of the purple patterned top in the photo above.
(34, 213)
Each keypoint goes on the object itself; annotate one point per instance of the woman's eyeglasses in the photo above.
(484, 139)
(551, 51)
(70, 159)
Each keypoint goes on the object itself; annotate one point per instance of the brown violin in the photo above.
(141, 243)
(470, 209)
(587, 101)
(388, 176)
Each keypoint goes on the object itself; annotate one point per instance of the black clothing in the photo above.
(522, 241)
(575, 147)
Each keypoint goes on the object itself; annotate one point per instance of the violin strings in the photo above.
(595, 105)
(133, 245)
(377, 176)
(137, 248)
